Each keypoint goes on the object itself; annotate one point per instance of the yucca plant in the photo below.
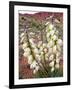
(45, 55)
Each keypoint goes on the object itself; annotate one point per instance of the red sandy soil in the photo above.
(24, 69)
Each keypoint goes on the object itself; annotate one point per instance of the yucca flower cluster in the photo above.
(49, 52)
(54, 45)
(31, 52)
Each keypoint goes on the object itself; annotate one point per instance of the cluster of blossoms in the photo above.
(50, 52)
(31, 52)
(54, 45)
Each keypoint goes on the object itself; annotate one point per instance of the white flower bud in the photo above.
(47, 23)
(34, 71)
(54, 37)
(48, 46)
(31, 41)
(57, 66)
(29, 62)
(48, 39)
(33, 65)
(44, 45)
(57, 60)
(52, 32)
(33, 45)
(22, 34)
(22, 39)
(36, 51)
(52, 69)
(59, 48)
(45, 50)
(30, 59)
(31, 33)
(51, 43)
(41, 48)
(59, 42)
(50, 50)
(38, 57)
(39, 44)
(51, 57)
(25, 45)
(37, 68)
(54, 49)
(27, 50)
(58, 54)
(47, 35)
(51, 26)
(51, 64)
(26, 54)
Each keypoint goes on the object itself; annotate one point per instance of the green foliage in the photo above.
(56, 73)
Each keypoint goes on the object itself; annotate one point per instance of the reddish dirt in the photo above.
(24, 70)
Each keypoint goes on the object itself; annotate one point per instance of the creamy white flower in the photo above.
(60, 42)
(22, 34)
(36, 51)
(50, 50)
(51, 43)
(30, 59)
(58, 54)
(51, 57)
(39, 44)
(38, 57)
(37, 68)
(34, 71)
(52, 69)
(27, 49)
(57, 66)
(48, 46)
(44, 45)
(54, 37)
(41, 48)
(31, 41)
(51, 64)
(46, 58)
(59, 48)
(51, 26)
(25, 45)
(57, 60)
(52, 32)
(45, 50)
(26, 54)
(47, 35)
(48, 39)
(33, 45)
(22, 39)
(33, 65)
(54, 49)
(31, 33)
(47, 23)
(42, 53)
